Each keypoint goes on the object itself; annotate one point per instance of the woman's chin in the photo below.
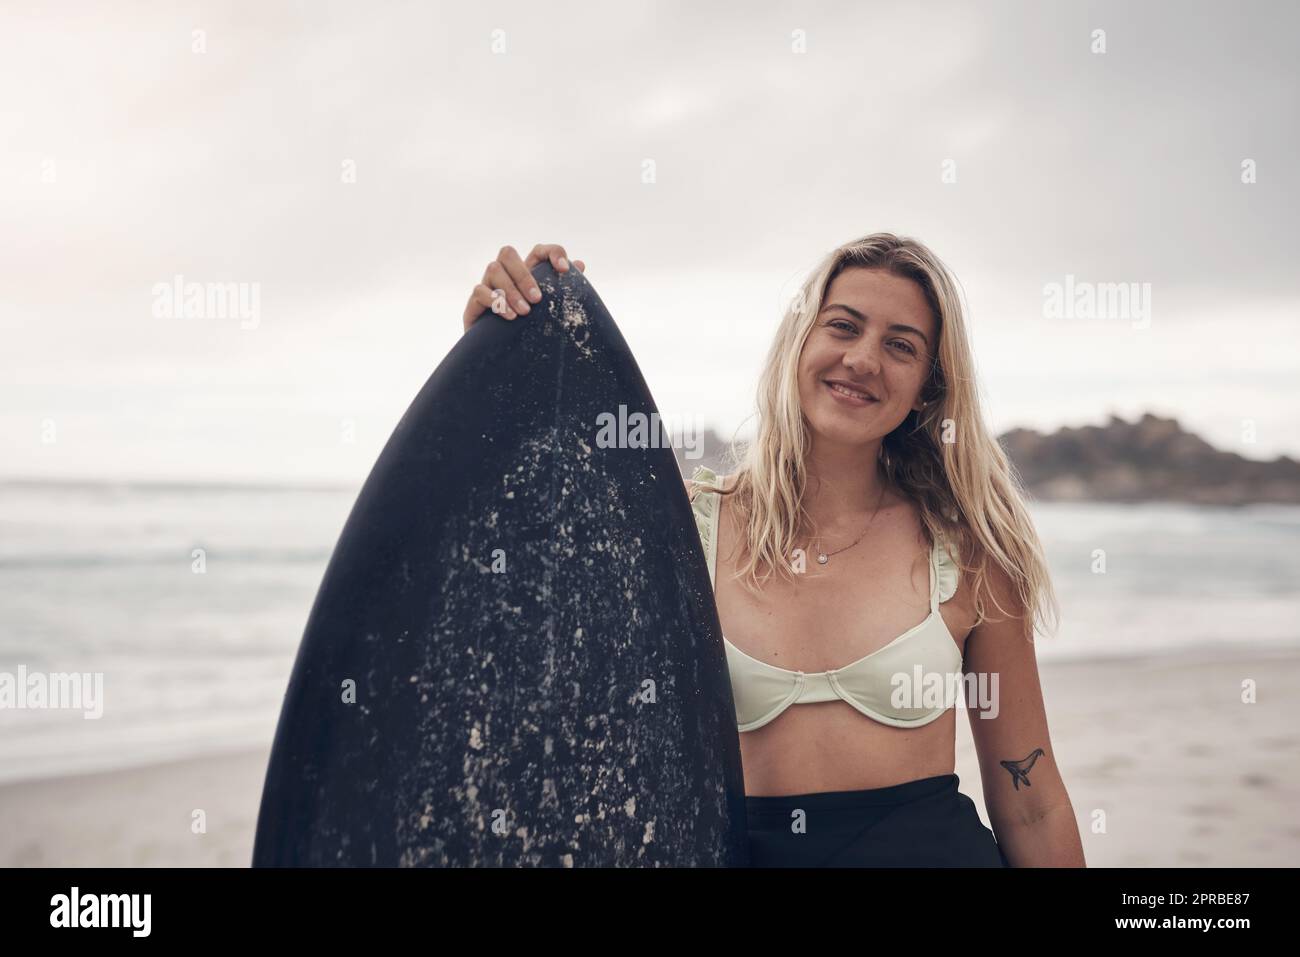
(838, 433)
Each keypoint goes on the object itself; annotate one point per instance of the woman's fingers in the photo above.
(508, 285)
(483, 298)
(498, 277)
(523, 279)
(539, 252)
(550, 251)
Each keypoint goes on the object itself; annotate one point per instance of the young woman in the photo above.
(874, 567)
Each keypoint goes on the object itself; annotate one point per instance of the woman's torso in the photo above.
(863, 599)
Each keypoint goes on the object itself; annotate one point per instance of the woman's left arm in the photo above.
(1028, 807)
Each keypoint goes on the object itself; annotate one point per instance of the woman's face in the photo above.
(875, 334)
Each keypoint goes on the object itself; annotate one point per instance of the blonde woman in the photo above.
(874, 568)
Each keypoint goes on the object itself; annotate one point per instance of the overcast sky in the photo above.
(135, 149)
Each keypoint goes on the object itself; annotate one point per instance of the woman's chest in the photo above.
(834, 614)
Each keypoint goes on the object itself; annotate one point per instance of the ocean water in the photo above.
(102, 578)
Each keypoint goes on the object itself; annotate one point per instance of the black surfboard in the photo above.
(514, 658)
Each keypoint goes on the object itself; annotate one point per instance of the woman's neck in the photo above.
(844, 486)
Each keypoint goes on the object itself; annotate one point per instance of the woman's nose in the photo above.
(862, 358)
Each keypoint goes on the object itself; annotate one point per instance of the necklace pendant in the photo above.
(822, 559)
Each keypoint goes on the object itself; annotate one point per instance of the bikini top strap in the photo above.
(705, 506)
(934, 579)
(944, 573)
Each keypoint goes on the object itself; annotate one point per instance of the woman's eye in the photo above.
(844, 325)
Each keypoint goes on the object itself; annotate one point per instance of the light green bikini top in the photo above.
(763, 691)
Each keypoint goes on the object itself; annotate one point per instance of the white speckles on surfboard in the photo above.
(528, 738)
(572, 318)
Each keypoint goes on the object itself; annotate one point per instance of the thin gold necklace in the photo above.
(824, 557)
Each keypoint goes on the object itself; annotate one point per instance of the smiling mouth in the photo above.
(849, 395)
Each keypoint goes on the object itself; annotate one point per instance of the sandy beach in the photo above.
(1187, 775)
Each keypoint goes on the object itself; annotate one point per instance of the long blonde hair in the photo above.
(944, 457)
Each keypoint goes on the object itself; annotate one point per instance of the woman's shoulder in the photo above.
(945, 545)
(704, 478)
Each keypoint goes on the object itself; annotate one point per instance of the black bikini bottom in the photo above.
(921, 823)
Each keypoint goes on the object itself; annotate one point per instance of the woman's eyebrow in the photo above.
(893, 327)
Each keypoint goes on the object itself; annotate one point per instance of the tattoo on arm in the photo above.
(1019, 770)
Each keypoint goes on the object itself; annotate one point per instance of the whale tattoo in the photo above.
(1020, 769)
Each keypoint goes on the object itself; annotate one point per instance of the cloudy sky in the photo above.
(359, 164)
